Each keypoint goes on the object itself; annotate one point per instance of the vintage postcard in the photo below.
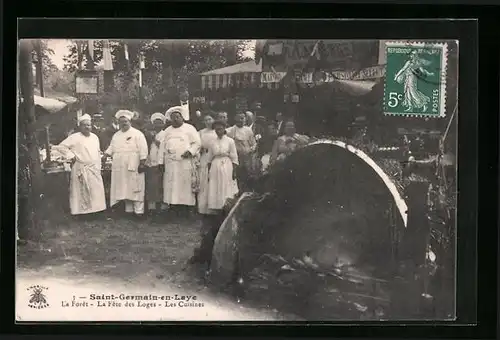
(236, 180)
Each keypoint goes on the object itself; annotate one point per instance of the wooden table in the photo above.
(57, 183)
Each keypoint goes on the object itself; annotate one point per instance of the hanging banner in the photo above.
(79, 53)
(327, 76)
(333, 51)
(275, 49)
(142, 66)
(125, 48)
(142, 63)
(369, 73)
(91, 49)
(272, 77)
(330, 77)
(381, 53)
(106, 56)
(345, 54)
(185, 110)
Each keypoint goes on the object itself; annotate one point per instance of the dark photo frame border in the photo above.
(301, 29)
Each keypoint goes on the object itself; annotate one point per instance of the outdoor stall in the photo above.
(236, 88)
(55, 119)
(325, 82)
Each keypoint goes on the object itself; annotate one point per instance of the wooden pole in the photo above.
(27, 134)
(39, 75)
(47, 144)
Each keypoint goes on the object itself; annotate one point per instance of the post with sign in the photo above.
(86, 84)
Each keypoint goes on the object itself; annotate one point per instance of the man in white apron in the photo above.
(129, 151)
(86, 186)
(178, 155)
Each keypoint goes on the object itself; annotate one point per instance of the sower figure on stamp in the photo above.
(409, 74)
(86, 186)
(154, 181)
(179, 150)
(129, 151)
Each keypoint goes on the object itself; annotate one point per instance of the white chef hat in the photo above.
(158, 115)
(124, 113)
(173, 109)
(84, 117)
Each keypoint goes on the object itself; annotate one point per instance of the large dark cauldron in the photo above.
(323, 235)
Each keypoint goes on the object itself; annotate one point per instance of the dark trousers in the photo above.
(243, 176)
(106, 179)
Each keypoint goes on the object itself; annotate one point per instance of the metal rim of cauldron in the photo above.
(400, 202)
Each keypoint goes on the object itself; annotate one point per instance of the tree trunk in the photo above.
(39, 67)
(168, 51)
(30, 204)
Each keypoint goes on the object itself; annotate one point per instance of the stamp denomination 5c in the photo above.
(415, 79)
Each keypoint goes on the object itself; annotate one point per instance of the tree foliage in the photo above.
(190, 55)
(46, 52)
(169, 66)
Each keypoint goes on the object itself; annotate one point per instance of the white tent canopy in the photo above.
(63, 97)
(239, 75)
(51, 105)
(246, 67)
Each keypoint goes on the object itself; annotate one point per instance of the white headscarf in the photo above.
(84, 117)
(158, 115)
(169, 112)
(124, 113)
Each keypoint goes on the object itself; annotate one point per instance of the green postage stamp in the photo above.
(415, 79)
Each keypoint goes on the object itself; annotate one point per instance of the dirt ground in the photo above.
(138, 255)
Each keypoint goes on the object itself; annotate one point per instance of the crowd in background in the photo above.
(169, 166)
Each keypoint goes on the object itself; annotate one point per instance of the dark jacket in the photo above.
(265, 145)
(105, 136)
(281, 130)
(257, 129)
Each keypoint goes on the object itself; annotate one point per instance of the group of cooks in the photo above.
(180, 169)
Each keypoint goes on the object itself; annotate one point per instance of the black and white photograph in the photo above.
(236, 180)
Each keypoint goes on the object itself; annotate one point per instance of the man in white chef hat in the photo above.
(179, 150)
(86, 187)
(129, 151)
(154, 184)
